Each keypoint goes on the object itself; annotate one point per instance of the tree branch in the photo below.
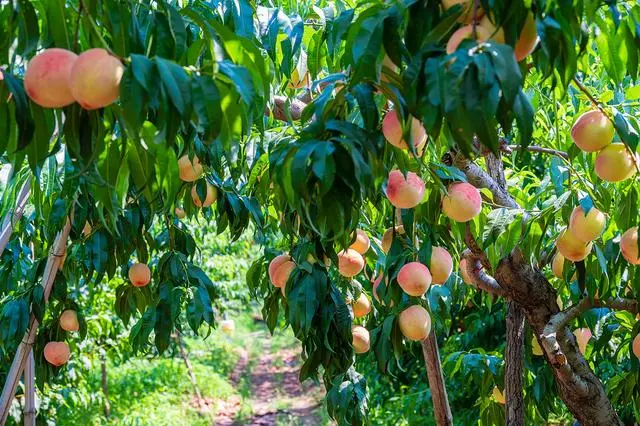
(535, 148)
(480, 278)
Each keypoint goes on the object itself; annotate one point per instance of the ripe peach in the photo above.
(57, 353)
(415, 322)
(587, 227)
(571, 247)
(387, 237)
(528, 39)
(189, 170)
(441, 265)
(361, 306)
(583, 335)
(361, 342)
(629, 246)
(392, 131)
(462, 202)
(95, 79)
(279, 270)
(180, 214)
(414, 278)
(592, 131)
(404, 193)
(496, 34)
(47, 78)
(535, 347)
(212, 195)
(497, 395)
(614, 163)
(635, 346)
(350, 263)
(227, 326)
(69, 321)
(362, 242)
(467, 7)
(464, 273)
(482, 34)
(557, 265)
(139, 274)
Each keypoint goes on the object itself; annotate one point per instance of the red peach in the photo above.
(95, 79)
(350, 263)
(46, 80)
(414, 278)
(462, 202)
(415, 322)
(404, 193)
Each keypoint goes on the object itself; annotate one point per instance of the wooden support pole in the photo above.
(11, 218)
(30, 391)
(24, 349)
(441, 408)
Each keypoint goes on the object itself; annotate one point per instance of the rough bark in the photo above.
(187, 363)
(105, 387)
(441, 408)
(514, 357)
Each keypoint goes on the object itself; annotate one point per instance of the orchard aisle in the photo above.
(266, 377)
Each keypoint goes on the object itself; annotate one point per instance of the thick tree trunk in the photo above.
(514, 356)
(105, 387)
(441, 409)
(187, 363)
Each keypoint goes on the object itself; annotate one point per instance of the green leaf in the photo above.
(176, 83)
(22, 113)
(28, 30)
(57, 24)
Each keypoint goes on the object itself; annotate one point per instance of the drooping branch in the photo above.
(535, 148)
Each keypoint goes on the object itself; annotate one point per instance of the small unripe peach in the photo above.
(362, 242)
(139, 274)
(636, 346)
(466, 32)
(392, 130)
(614, 163)
(212, 195)
(629, 246)
(535, 347)
(361, 341)
(462, 202)
(498, 396)
(464, 273)
(57, 353)
(387, 238)
(587, 227)
(350, 263)
(95, 79)
(46, 80)
(441, 265)
(180, 214)
(189, 170)
(227, 326)
(592, 131)
(583, 335)
(404, 193)
(571, 247)
(557, 265)
(361, 306)
(414, 278)
(415, 322)
(69, 321)
(496, 34)
(528, 39)
(467, 7)
(280, 269)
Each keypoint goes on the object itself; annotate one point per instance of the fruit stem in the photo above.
(475, 18)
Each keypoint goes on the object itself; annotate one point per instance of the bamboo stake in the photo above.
(30, 391)
(11, 218)
(17, 366)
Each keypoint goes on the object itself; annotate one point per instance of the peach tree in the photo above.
(375, 148)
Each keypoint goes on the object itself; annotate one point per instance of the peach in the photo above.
(361, 341)
(190, 170)
(440, 266)
(139, 274)
(69, 321)
(387, 237)
(496, 33)
(592, 131)
(180, 214)
(414, 278)
(362, 242)
(212, 196)
(57, 353)
(361, 306)
(587, 227)
(227, 326)
(464, 273)
(528, 39)
(635, 346)
(46, 80)
(482, 34)
(536, 350)
(462, 202)
(280, 269)
(571, 247)
(415, 322)
(350, 263)
(405, 193)
(557, 265)
(614, 163)
(392, 131)
(95, 79)
(629, 246)
(497, 395)
(583, 335)
(467, 7)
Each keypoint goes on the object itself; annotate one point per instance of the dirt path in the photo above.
(276, 396)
